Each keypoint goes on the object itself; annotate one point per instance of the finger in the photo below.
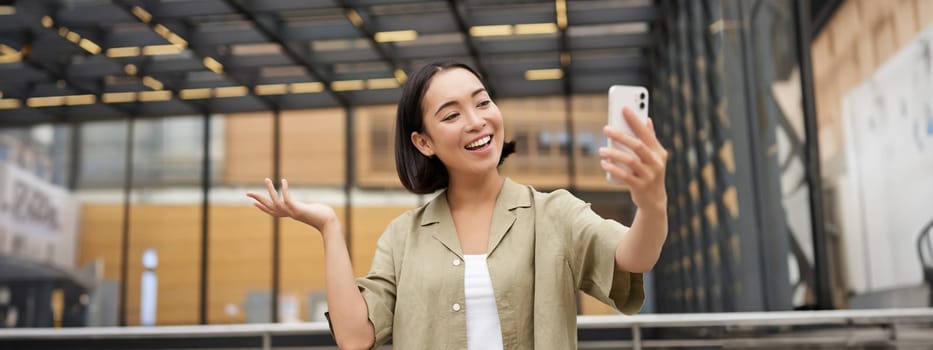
(616, 156)
(264, 209)
(640, 148)
(653, 137)
(657, 142)
(285, 195)
(272, 193)
(640, 128)
(621, 174)
(259, 198)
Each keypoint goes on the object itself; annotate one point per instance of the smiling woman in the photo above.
(487, 257)
(420, 168)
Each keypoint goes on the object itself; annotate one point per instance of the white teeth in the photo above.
(479, 142)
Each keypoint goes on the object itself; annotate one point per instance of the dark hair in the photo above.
(419, 173)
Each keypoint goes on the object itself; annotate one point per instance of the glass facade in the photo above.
(248, 256)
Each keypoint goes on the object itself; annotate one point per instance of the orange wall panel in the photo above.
(174, 231)
(526, 120)
(314, 146)
(247, 148)
(375, 146)
(924, 13)
(101, 237)
(905, 22)
(302, 262)
(239, 259)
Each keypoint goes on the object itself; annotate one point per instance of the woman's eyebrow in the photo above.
(450, 103)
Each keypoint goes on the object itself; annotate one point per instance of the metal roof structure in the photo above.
(78, 60)
(15, 269)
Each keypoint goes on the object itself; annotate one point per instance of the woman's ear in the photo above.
(423, 143)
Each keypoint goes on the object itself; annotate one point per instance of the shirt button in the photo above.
(456, 262)
(456, 307)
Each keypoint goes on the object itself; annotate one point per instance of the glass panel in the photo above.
(375, 145)
(314, 147)
(314, 162)
(103, 155)
(100, 196)
(165, 222)
(589, 117)
(540, 124)
(379, 197)
(240, 236)
(41, 150)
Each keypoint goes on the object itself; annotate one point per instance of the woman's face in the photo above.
(463, 127)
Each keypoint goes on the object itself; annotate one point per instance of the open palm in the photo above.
(316, 215)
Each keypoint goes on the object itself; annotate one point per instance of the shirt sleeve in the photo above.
(378, 290)
(593, 249)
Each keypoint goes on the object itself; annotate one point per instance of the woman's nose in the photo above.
(476, 122)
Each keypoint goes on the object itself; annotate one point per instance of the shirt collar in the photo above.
(512, 195)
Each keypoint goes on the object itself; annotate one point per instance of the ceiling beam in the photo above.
(471, 45)
(78, 86)
(34, 28)
(86, 71)
(584, 13)
(187, 9)
(203, 57)
(276, 37)
(564, 52)
(366, 29)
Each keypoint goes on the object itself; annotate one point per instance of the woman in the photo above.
(488, 263)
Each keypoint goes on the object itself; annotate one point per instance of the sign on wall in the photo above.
(38, 220)
(886, 193)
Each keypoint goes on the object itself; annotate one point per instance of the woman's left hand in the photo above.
(646, 164)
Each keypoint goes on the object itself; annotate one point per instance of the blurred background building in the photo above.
(801, 135)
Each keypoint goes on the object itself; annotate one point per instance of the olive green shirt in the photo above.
(543, 248)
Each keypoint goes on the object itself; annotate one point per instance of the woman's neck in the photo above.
(472, 190)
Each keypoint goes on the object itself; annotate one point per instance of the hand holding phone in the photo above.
(636, 99)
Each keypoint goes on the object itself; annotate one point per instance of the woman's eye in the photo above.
(485, 103)
(451, 116)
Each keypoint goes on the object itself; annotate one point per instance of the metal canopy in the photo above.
(79, 60)
(14, 269)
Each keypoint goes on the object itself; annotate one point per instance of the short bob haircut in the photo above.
(421, 174)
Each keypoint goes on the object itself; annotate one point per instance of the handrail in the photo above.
(925, 240)
(233, 330)
(773, 318)
(777, 318)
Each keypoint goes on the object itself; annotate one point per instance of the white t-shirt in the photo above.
(482, 316)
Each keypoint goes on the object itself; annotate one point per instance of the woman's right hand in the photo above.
(316, 215)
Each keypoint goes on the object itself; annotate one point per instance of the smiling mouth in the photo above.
(475, 145)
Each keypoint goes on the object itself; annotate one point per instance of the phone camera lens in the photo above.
(641, 105)
(642, 96)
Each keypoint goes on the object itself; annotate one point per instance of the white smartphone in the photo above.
(636, 99)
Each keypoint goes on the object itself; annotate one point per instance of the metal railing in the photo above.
(834, 329)
(925, 253)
